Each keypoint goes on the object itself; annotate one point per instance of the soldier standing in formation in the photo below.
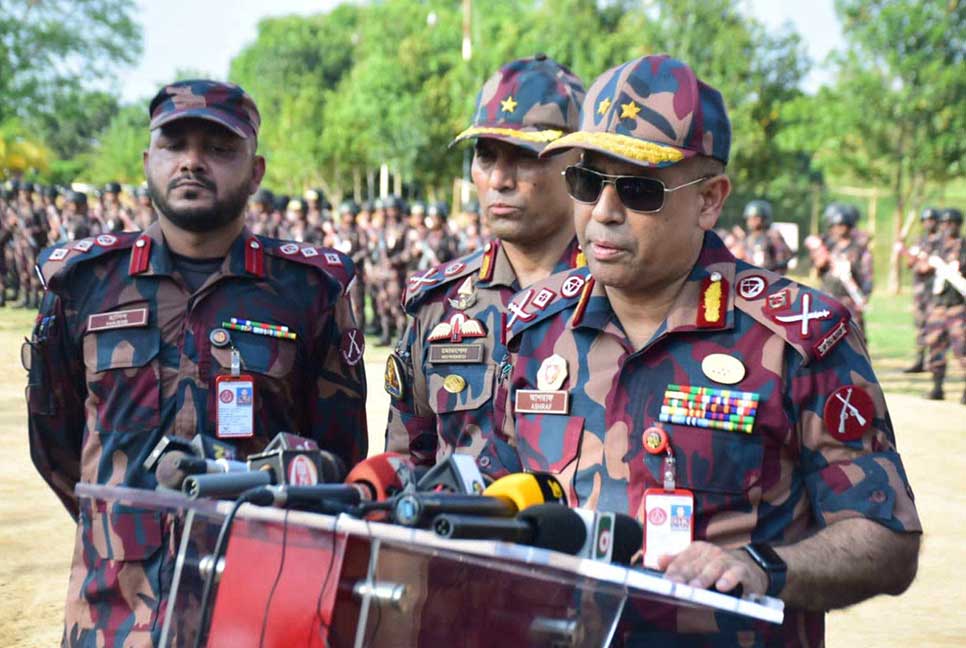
(443, 372)
(349, 239)
(921, 285)
(946, 322)
(760, 244)
(843, 259)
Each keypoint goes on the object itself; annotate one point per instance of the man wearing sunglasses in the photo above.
(668, 377)
(443, 373)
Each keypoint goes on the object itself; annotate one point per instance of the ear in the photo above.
(144, 162)
(258, 172)
(714, 191)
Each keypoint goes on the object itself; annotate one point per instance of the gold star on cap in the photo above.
(508, 105)
(629, 110)
(603, 106)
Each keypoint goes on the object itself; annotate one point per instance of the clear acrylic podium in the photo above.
(294, 578)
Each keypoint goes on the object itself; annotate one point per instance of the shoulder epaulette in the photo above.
(546, 298)
(808, 319)
(421, 284)
(331, 262)
(54, 263)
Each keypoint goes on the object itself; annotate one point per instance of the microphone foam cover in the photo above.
(628, 538)
(380, 474)
(556, 527)
(333, 468)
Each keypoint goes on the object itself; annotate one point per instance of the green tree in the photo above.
(117, 156)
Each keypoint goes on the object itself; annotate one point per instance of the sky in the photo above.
(204, 35)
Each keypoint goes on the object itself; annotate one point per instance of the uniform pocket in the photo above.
(548, 442)
(124, 378)
(261, 354)
(476, 382)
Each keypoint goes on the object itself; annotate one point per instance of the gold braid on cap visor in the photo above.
(537, 137)
(622, 145)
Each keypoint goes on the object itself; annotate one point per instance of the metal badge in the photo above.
(454, 384)
(219, 337)
(723, 368)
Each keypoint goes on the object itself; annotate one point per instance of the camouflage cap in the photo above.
(529, 102)
(653, 112)
(223, 103)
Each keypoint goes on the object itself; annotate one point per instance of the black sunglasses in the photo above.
(638, 193)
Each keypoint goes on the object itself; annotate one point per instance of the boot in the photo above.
(917, 366)
(937, 387)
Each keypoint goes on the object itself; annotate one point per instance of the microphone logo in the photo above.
(302, 472)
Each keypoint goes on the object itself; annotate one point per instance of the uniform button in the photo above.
(140, 243)
(254, 245)
(715, 276)
(484, 462)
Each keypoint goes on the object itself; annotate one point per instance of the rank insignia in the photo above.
(393, 378)
(723, 368)
(571, 286)
(708, 407)
(352, 346)
(289, 248)
(714, 299)
(805, 317)
(59, 254)
(84, 246)
(848, 413)
(552, 373)
(752, 287)
(832, 338)
(106, 240)
(465, 295)
(778, 301)
(453, 268)
(458, 327)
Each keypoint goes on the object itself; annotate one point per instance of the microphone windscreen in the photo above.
(524, 490)
(628, 538)
(556, 527)
(383, 474)
(168, 472)
(333, 468)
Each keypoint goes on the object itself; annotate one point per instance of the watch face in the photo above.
(765, 556)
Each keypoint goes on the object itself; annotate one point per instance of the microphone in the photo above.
(321, 498)
(527, 489)
(458, 473)
(418, 509)
(382, 475)
(609, 537)
(225, 485)
(175, 465)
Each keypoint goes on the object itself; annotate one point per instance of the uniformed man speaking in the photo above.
(194, 326)
(733, 411)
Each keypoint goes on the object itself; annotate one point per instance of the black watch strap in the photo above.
(771, 563)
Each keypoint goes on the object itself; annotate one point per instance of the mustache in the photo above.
(207, 184)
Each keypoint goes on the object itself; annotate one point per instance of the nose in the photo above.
(503, 174)
(193, 160)
(609, 208)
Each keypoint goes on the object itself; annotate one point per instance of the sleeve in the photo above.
(868, 272)
(848, 459)
(411, 429)
(781, 251)
(56, 391)
(337, 411)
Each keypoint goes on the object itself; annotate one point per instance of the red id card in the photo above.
(668, 523)
(235, 407)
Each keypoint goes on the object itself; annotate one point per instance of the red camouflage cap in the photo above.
(217, 101)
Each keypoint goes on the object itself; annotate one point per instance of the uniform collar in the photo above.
(699, 305)
(161, 264)
(503, 274)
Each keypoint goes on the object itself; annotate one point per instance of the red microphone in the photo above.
(382, 476)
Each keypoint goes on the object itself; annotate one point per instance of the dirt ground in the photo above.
(36, 534)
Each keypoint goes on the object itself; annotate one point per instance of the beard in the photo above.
(226, 208)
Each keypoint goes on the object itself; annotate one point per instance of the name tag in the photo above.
(534, 401)
(668, 523)
(456, 353)
(235, 407)
(118, 319)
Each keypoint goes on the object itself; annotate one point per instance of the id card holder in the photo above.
(235, 407)
(668, 523)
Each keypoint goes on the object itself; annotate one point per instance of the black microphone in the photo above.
(324, 498)
(419, 509)
(175, 466)
(225, 485)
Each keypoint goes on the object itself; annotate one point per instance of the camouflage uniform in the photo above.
(787, 477)
(946, 323)
(844, 262)
(390, 272)
(29, 236)
(123, 353)
(922, 286)
(443, 373)
(766, 249)
(350, 240)
(744, 380)
(468, 298)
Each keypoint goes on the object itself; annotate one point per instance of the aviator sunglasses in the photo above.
(638, 193)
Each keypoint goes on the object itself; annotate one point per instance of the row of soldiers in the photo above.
(34, 216)
(388, 239)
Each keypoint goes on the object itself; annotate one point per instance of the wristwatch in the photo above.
(772, 564)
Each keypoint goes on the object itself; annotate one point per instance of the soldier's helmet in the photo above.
(141, 191)
(761, 208)
(378, 203)
(280, 203)
(264, 197)
(439, 208)
(395, 202)
(951, 215)
(417, 208)
(841, 214)
(77, 197)
(14, 185)
(528, 102)
(349, 207)
(51, 192)
(112, 188)
(28, 187)
(314, 195)
(929, 213)
(366, 206)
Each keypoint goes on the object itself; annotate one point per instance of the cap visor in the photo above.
(208, 114)
(531, 140)
(624, 147)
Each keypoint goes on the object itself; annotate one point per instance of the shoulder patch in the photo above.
(808, 319)
(421, 284)
(544, 299)
(54, 263)
(331, 262)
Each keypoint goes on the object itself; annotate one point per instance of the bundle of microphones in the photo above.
(451, 498)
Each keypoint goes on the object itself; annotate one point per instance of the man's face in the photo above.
(636, 251)
(755, 223)
(524, 198)
(840, 231)
(951, 228)
(200, 174)
(930, 225)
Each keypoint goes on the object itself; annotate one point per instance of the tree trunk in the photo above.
(895, 279)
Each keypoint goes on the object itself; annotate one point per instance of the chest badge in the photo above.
(552, 373)
(392, 379)
(848, 413)
(458, 327)
(723, 368)
(465, 295)
(708, 407)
